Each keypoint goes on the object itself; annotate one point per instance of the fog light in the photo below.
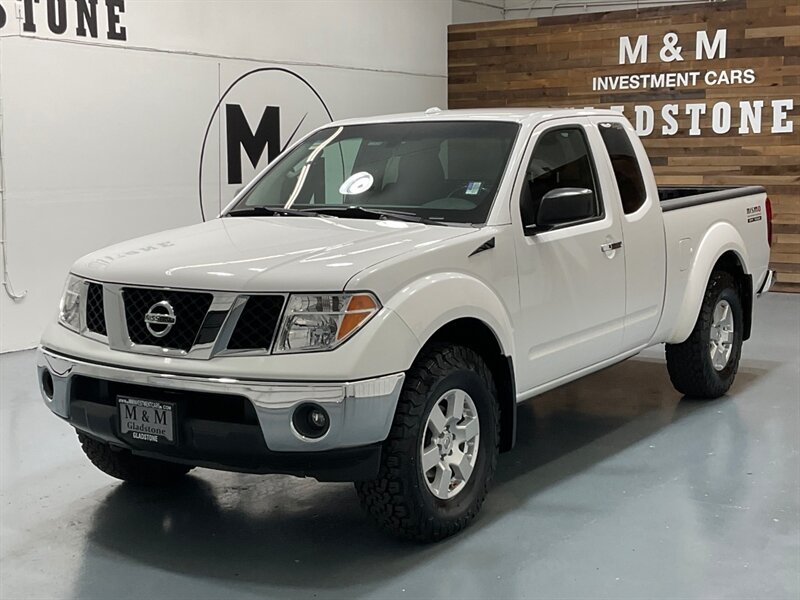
(47, 384)
(311, 421)
(318, 418)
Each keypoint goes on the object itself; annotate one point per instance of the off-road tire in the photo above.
(689, 363)
(399, 499)
(124, 465)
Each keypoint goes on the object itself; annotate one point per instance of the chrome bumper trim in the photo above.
(769, 281)
(360, 412)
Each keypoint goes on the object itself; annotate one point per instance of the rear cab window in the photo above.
(630, 183)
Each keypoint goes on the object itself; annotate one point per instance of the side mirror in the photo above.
(561, 206)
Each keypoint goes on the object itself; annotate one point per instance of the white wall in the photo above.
(475, 11)
(531, 9)
(101, 138)
(472, 11)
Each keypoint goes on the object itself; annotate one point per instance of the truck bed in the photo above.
(702, 224)
(675, 197)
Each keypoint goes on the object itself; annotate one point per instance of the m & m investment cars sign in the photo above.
(743, 116)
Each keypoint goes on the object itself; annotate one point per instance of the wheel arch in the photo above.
(722, 249)
(459, 308)
(479, 337)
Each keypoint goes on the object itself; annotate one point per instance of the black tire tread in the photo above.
(122, 464)
(687, 363)
(387, 499)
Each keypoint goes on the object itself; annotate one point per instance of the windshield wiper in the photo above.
(267, 211)
(359, 212)
(353, 212)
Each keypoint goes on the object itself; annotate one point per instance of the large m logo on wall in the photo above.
(261, 112)
(239, 136)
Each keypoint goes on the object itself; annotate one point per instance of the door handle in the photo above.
(610, 246)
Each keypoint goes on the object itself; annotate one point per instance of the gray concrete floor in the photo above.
(617, 489)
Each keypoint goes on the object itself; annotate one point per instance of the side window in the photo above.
(561, 159)
(626, 166)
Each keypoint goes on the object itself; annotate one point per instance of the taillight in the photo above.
(769, 222)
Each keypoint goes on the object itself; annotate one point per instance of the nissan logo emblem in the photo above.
(160, 319)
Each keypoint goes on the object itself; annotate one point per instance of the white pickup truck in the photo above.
(373, 306)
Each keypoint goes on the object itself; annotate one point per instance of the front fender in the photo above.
(431, 302)
(720, 238)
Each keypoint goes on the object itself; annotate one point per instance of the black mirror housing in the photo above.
(563, 205)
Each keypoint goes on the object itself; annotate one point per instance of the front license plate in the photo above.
(146, 420)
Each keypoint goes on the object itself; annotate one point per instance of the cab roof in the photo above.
(516, 115)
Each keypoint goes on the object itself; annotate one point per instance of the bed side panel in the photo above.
(697, 236)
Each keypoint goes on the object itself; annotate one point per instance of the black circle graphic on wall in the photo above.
(252, 142)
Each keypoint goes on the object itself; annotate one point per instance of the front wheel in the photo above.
(126, 466)
(442, 449)
(705, 365)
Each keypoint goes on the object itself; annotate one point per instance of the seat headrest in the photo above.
(422, 167)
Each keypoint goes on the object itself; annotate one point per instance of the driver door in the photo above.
(571, 277)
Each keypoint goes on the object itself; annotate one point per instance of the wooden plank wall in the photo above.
(551, 62)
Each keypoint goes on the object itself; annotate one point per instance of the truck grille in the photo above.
(190, 310)
(95, 310)
(256, 325)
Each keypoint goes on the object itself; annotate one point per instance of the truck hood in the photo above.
(265, 254)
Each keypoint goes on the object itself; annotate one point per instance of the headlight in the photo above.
(70, 308)
(322, 321)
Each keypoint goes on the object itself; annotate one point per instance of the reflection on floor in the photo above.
(617, 489)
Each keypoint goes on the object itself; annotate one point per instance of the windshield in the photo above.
(444, 171)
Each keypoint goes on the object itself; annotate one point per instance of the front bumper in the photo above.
(360, 415)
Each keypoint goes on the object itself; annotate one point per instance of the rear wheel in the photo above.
(442, 449)
(705, 365)
(122, 464)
